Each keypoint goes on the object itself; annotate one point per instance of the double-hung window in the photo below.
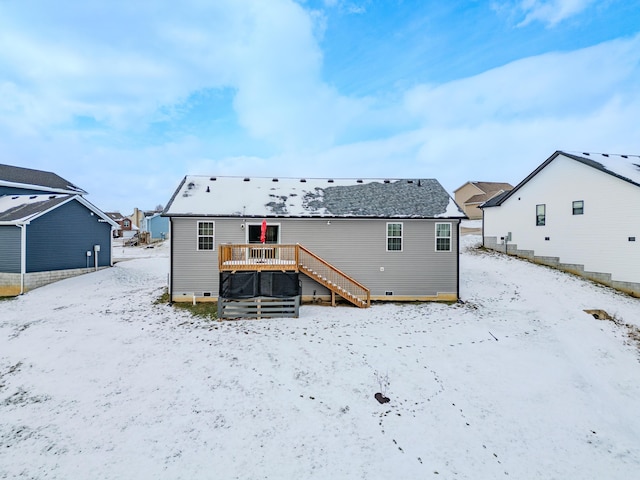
(443, 237)
(206, 235)
(394, 237)
(541, 214)
(578, 207)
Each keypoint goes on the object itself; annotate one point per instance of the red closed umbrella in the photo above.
(263, 232)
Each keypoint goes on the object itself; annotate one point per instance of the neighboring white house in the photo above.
(576, 212)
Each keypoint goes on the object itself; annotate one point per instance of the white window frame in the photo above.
(448, 237)
(199, 236)
(541, 218)
(401, 236)
(575, 209)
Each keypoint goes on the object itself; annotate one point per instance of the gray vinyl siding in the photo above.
(9, 249)
(355, 246)
(61, 238)
(358, 248)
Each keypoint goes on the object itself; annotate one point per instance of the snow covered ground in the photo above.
(97, 382)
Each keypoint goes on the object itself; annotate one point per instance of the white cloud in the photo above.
(550, 12)
(143, 57)
(550, 85)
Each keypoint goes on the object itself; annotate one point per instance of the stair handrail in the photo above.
(335, 270)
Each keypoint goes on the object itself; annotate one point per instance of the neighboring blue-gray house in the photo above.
(157, 226)
(48, 230)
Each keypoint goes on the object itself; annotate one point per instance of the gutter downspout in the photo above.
(482, 226)
(171, 261)
(458, 264)
(23, 255)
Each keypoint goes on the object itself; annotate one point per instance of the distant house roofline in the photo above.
(27, 178)
(23, 209)
(600, 161)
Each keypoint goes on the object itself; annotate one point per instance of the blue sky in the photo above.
(125, 98)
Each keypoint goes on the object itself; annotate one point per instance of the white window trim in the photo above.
(450, 237)
(387, 237)
(198, 236)
(573, 207)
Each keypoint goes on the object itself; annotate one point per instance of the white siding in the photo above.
(598, 239)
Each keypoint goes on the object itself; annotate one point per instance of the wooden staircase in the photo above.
(337, 282)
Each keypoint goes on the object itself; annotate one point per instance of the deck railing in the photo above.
(332, 278)
(254, 257)
(257, 257)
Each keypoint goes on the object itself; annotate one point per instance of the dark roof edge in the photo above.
(173, 197)
(309, 217)
(500, 199)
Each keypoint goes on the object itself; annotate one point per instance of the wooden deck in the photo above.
(296, 258)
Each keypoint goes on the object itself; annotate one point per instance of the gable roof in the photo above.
(115, 216)
(289, 197)
(37, 179)
(22, 209)
(624, 167)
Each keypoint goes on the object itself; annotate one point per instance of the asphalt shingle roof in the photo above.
(49, 181)
(288, 197)
(16, 208)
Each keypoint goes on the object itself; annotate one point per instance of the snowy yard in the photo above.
(97, 382)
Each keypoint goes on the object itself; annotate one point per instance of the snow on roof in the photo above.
(289, 197)
(22, 208)
(626, 167)
(18, 209)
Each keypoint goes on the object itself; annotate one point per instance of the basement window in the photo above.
(443, 237)
(541, 214)
(578, 207)
(206, 235)
(394, 237)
